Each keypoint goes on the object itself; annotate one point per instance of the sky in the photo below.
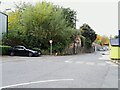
(100, 15)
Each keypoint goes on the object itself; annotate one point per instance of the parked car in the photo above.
(23, 51)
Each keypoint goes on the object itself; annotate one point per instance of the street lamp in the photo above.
(50, 46)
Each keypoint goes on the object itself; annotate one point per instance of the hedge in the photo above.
(4, 49)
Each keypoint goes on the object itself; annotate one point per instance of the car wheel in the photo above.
(30, 54)
(12, 54)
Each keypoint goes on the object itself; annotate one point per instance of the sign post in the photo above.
(50, 46)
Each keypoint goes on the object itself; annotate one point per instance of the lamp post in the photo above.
(74, 43)
(50, 46)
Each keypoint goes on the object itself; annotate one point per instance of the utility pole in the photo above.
(74, 46)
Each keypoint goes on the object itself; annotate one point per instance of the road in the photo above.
(74, 71)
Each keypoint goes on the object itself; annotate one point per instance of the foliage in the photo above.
(116, 36)
(70, 17)
(13, 38)
(98, 39)
(102, 40)
(34, 26)
(89, 35)
(4, 49)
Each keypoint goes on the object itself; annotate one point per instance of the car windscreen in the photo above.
(19, 47)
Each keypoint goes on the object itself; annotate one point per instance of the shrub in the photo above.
(4, 49)
(13, 38)
(45, 52)
(36, 49)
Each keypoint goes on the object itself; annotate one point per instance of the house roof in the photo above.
(114, 42)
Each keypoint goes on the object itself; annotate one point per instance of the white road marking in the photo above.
(69, 60)
(105, 57)
(109, 62)
(90, 63)
(36, 82)
(80, 62)
(101, 64)
(112, 64)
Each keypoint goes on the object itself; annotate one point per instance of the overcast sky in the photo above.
(101, 15)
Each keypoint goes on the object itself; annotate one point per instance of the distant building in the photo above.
(3, 24)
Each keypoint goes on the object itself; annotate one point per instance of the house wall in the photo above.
(115, 52)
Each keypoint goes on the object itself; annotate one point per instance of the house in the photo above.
(3, 24)
(114, 49)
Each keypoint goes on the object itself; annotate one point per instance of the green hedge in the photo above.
(4, 49)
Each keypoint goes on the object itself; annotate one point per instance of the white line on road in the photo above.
(70, 60)
(67, 61)
(112, 64)
(101, 64)
(28, 83)
(90, 63)
(109, 62)
(80, 62)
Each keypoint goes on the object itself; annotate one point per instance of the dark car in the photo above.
(22, 51)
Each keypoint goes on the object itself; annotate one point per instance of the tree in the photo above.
(104, 40)
(89, 34)
(98, 39)
(70, 17)
(116, 36)
(40, 23)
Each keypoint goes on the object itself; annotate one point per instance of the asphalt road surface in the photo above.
(74, 71)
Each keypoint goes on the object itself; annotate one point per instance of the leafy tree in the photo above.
(89, 34)
(13, 38)
(70, 17)
(98, 39)
(104, 40)
(34, 26)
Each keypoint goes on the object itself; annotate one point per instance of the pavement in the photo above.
(73, 71)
